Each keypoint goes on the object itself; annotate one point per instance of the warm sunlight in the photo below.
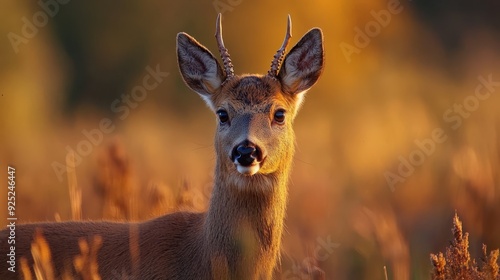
(401, 131)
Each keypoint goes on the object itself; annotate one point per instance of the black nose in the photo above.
(246, 154)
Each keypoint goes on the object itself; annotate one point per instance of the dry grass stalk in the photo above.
(457, 262)
(86, 263)
(184, 199)
(43, 267)
(114, 182)
(25, 269)
(190, 199)
(439, 263)
(75, 194)
(158, 199)
(490, 268)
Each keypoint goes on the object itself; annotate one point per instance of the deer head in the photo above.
(254, 113)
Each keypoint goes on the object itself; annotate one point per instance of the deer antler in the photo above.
(226, 59)
(280, 54)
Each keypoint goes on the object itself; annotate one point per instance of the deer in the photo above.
(239, 236)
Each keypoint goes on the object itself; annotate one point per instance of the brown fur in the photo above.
(240, 235)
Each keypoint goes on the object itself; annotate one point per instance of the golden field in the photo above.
(401, 131)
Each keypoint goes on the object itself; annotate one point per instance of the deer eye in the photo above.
(279, 116)
(223, 116)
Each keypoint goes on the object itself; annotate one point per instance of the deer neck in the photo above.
(244, 222)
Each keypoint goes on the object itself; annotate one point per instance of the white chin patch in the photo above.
(247, 170)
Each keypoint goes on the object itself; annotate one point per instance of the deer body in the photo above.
(239, 237)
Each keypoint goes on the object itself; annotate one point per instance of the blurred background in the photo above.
(401, 131)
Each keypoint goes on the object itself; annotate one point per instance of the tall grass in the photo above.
(457, 264)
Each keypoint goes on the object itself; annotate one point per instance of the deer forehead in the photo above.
(252, 92)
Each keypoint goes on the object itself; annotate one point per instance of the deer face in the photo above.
(254, 124)
(254, 113)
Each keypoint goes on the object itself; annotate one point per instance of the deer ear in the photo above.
(199, 68)
(303, 64)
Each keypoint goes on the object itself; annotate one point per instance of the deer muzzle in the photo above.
(247, 157)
